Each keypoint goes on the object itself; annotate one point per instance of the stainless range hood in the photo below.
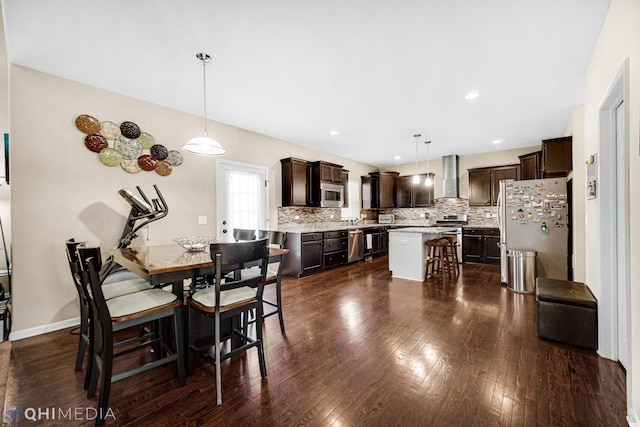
(450, 185)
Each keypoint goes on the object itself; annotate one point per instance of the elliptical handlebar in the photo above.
(156, 209)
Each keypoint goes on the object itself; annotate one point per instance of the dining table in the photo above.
(170, 264)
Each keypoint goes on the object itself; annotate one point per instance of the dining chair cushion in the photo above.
(207, 296)
(139, 301)
(247, 273)
(119, 276)
(124, 287)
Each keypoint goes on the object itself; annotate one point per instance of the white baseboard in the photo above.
(39, 330)
(632, 418)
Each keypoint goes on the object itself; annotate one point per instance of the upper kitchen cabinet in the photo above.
(556, 157)
(296, 179)
(379, 190)
(484, 183)
(327, 172)
(530, 165)
(410, 195)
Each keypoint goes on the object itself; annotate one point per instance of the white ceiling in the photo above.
(377, 71)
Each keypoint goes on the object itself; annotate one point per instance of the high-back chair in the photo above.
(243, 234)
(276, 239)
(119, 313)
(122, 283)
(232, 299)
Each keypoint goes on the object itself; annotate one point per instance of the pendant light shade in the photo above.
(204, 144)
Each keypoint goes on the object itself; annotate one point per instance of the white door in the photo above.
(621, 236)
(241, 200)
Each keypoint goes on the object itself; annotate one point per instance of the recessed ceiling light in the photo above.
(472, 95)
(397, 157)
(497, 141)
(333, 133)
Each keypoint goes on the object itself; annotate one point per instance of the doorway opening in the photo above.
(614, 214)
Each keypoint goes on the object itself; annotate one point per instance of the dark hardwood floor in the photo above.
(360, 348)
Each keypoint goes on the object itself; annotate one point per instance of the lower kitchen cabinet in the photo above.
(311, 253)
(378, 242)
(480, 245)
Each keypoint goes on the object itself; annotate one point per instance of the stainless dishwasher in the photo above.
(356, 245)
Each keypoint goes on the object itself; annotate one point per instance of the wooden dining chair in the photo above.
(276, 239)
(153, 306)
(235, 299)
(121, 283)
(243, 234)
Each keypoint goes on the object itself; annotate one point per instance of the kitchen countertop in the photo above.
(427, 230)
(321, 227)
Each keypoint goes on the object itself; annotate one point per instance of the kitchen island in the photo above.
(408, 252)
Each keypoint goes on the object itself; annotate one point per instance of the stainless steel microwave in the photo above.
(331, 195)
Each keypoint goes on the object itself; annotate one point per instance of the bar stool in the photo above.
(437, 258)
(452, 252)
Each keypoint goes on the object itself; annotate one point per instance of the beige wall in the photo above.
(61, 190)
(496, 158)
(618, 40)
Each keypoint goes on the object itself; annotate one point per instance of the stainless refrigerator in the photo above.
(533, 216)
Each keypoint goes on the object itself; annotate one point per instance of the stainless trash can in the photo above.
(522, 271)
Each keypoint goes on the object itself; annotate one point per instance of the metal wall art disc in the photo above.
(130, 130)
(87, 124)
(96, 143)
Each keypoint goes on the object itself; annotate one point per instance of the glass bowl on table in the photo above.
(197, 243)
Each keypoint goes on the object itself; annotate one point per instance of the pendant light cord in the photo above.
(205, 58)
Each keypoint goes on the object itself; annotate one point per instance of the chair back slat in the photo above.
(277, 239)
(90, 265)
(241, 234)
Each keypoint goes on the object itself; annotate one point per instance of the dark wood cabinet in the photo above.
(410, 195)
(379, 190)
(556, 157)
(295, 182)
(530, 165)
(327, 172)
(484, 183)
(480, 245)
(480, 187)
(498, 174)
(335, 248)
(311, 253)
(378, 242)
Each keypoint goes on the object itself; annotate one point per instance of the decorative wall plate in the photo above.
(146, 140)
(110, 130)
(130, 130)
(160, 152)
(110, 157)
(130, 165)
(174, 158)
(147, 162)
(130, 148)
(87, 124)
(96, 143)
(163, 168)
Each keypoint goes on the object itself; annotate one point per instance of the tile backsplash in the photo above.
(290, 217)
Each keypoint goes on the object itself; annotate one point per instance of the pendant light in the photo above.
(416, 177)
(428, 182)
(204, 145)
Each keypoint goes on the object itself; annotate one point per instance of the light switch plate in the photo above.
(202, 219)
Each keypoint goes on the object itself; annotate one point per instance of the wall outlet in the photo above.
(296, 217)
(331, 216)
(202, 219)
